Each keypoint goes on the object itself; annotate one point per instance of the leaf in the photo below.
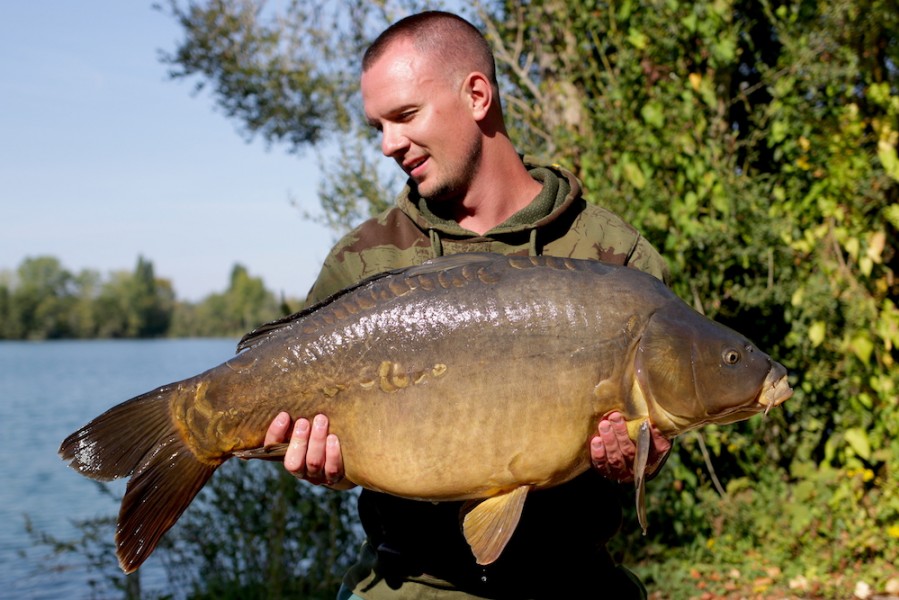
(865, 265)
(695, 81)
(779, 130)
(862, 347)
(637, 39)
(725, 50)
(816, 333)
(876, 244)
(634, 174)
(653, 113)
(689, 22)
(891, 214)
(858, 441)
(852, 247)
(886, 152)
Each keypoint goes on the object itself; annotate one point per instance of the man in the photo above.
(429, 87)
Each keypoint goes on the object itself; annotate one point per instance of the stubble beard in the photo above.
(456, 183)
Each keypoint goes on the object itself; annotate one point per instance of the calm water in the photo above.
(47, 390)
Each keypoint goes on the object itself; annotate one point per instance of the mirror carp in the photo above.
(474, 377)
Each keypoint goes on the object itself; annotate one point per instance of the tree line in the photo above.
(42, 300)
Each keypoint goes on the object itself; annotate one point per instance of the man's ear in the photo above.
(478, 94)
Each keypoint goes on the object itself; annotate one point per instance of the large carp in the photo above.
(474, 376)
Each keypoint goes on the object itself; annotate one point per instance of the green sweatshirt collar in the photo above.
(560, 188)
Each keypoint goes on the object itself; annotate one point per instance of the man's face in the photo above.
(425, 122)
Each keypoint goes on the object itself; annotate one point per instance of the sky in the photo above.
(104, 158)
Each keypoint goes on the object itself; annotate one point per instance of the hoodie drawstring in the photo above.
(436, 245)
(532, 244)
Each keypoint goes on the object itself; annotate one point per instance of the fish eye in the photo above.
(731, 356)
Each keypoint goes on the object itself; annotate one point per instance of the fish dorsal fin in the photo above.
(434, 265)
(452, 261)
(489, 524)
(644, 441)
(266, 330)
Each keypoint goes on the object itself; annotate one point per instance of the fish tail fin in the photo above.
(139, 438)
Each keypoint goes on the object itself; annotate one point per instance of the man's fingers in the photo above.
(613, 456)
(279, 429)
(624, 442)
(315, 452)
(295, 458)
(333, 460)
(661, 444)
(598, 454)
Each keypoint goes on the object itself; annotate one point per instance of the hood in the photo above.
(560, 189)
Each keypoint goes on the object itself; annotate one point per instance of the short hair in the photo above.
(451, 38)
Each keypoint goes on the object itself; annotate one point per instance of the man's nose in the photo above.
(393, 141)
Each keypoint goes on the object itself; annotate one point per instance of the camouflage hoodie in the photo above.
(415, 550)
(559, 222)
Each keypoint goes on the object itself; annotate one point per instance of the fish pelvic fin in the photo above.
(488, 525)
(643, 443)
(275, 452)
(139, 438)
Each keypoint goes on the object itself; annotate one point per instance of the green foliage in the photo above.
(134, 304)
(246, 304)
(43, 300)
(353, 187)
(46, 301)
(773, 532)
(277, 87)
(35, 307)
(254, 532)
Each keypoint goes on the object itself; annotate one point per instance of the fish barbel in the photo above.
(470, 377)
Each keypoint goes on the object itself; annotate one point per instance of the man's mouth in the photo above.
(413, 165)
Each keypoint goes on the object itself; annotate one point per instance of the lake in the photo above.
(48, 390)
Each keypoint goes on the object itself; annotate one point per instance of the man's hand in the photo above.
(613, 452)
(313, 454)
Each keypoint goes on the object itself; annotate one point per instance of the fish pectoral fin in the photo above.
(489, 524)
(644, 442)
(269, 452)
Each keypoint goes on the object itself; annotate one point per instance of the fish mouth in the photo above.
(776, 389)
